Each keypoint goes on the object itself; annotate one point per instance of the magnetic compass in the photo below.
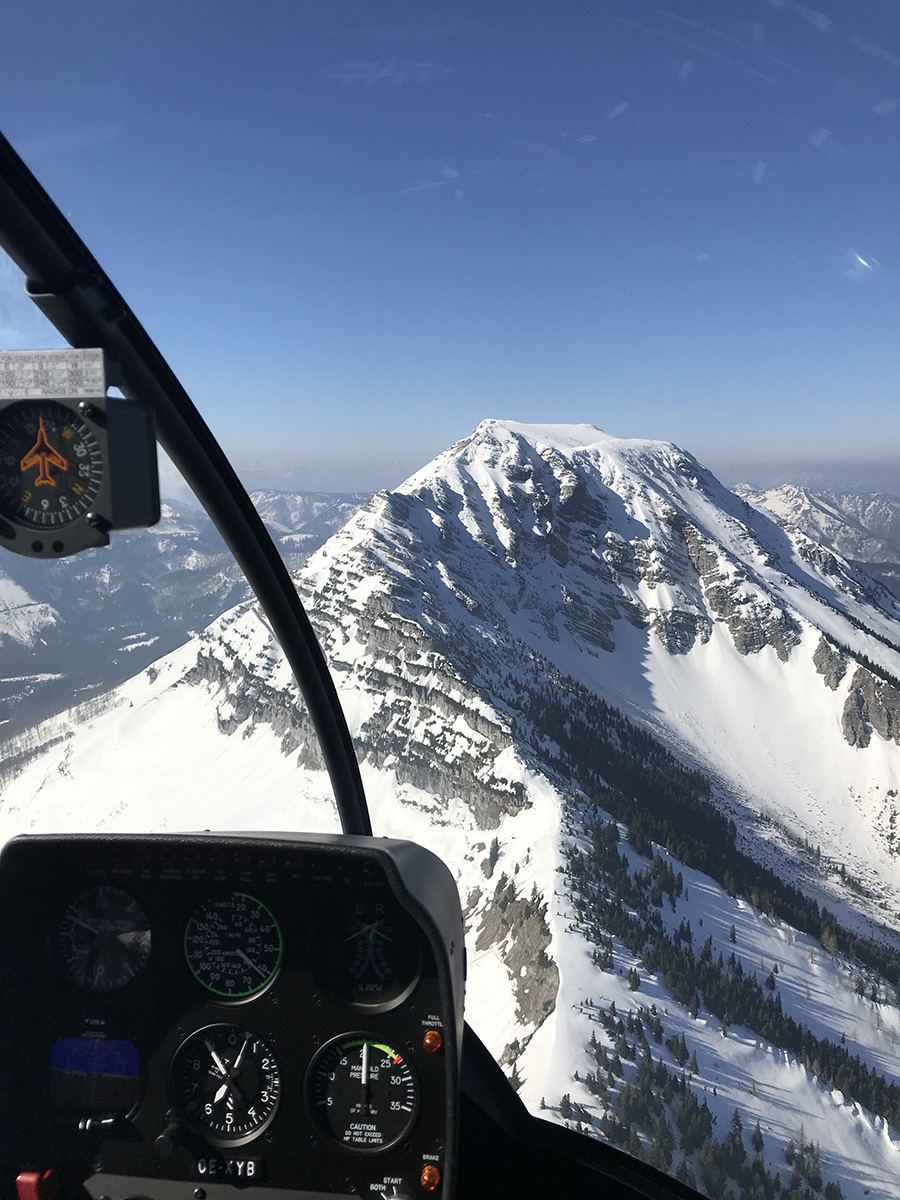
(51, 465)
(71, 469)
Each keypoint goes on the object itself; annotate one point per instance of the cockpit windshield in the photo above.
(556, 348)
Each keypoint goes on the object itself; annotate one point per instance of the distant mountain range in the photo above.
(78, 626)
(862, 526)
(656, 734)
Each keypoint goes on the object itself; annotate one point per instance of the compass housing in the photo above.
(72, 466)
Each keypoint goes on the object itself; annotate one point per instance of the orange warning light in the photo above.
(430, 1178)
(432, 1041)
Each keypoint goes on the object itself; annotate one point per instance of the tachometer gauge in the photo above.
(105, 938)
(233, 945)
(372, 953)
(362, 1093)
(225, 1084)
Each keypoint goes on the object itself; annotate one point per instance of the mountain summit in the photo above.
(530, 553)
(623, 704)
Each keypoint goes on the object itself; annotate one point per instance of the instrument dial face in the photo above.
(362, 1094)
(51, 464)
(105, 939)
(373, 952)
(233, 945)
(225, 1084)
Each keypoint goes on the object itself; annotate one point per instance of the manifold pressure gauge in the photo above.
(362, 1094)
(74, 463)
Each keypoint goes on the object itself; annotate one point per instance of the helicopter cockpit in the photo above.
(185, 1015)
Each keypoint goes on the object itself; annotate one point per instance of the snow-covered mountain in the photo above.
(864, 527)
(300, 522)
(559, 652)
(153, 587)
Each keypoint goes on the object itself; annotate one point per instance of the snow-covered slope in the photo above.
(542, 632)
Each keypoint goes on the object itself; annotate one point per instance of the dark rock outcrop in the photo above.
(830, 663)
(873, 704)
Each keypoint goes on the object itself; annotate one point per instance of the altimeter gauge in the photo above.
(104, 937)
(225, 1084)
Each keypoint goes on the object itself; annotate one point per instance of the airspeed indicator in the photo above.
(233, 945)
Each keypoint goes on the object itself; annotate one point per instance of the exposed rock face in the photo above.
(753, 620)
(248, 700)
(678, 630)
(873, 704)
(439, 741)
(438, 735)
(830, 663)
(854, 725)
(519, 925)
(820, 557)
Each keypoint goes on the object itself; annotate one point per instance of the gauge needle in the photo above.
(84, 925)
(369, 931)
(230, 1085)
(220, 1066)
(365, 1077)
(250, 963)
(237, 1061)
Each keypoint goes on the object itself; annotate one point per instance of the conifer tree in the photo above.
(756, 1139)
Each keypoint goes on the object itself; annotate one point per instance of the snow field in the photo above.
(739, 1070)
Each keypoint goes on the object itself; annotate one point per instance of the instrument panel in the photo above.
(275, 1013)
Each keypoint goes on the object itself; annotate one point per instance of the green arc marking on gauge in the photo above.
(388, 1050)
(198, 970)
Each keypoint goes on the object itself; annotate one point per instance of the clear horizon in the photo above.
(355, 238)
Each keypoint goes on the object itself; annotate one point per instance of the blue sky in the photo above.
(356, 229)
